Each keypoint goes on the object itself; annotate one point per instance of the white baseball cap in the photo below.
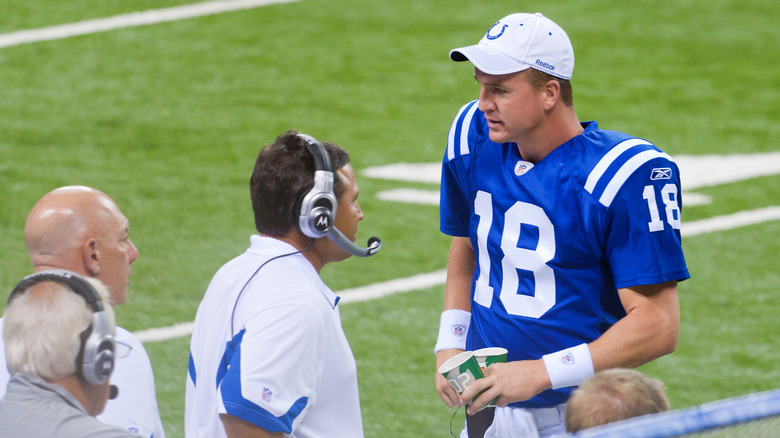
(519, 41)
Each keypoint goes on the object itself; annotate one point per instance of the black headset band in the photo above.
(74, 282)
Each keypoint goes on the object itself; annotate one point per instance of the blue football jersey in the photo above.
(554, 240)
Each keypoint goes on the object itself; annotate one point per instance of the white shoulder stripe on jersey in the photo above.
(627, 170)
(464, 134)
(608, 159)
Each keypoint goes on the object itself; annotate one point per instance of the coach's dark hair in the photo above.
(283, 173)
(538, 79)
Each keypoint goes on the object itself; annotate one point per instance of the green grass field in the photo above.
(168, 118)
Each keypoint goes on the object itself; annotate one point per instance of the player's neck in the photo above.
(556, 130)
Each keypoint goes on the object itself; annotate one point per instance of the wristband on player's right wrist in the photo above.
(453, 328)
(569, 367)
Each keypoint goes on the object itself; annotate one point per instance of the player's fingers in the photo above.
(484, 398)
(446, 392)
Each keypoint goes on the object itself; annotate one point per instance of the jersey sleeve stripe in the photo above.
(457, 139)
(608, 159)
(626, 171)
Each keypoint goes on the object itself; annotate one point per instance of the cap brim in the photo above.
(487, 59)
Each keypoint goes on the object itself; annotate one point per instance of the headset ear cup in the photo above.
(316, 209)
(105, 361)
(98, 369)
(316, 222)
(95, 361)
(322, 220)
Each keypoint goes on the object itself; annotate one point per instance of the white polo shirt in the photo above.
(284, 364)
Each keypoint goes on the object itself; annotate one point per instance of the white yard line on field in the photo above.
(437, 278)
(729, 221)
(130, 20)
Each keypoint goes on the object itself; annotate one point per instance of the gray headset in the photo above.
(95, 361)
(316, 209)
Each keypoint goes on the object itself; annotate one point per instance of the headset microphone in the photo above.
(114, 392)
(374, 244)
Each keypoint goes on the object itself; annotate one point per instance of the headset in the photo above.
(95, 361)
(316, 209)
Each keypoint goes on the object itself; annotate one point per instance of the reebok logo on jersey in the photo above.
(522, 167)
(661, 173)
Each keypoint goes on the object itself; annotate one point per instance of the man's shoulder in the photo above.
(468, 131)
(90, 426)
(127, 340)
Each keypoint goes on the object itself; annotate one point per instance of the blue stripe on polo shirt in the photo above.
(191, 370)
(229, 386)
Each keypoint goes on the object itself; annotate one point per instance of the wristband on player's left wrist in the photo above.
(569, 367)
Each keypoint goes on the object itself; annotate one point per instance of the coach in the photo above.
(268, 355)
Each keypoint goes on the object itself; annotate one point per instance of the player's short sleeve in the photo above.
(455, 199)
(273, 366)
(454, 206)
(643, 220)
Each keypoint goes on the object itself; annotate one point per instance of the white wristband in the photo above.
(569, 367)
(453, 328)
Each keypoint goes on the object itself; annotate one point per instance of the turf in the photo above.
(167, 119)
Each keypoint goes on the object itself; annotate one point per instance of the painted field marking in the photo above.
(143, 18)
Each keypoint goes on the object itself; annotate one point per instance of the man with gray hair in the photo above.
(58, 333)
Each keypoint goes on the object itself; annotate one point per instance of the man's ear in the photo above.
(91, 256)
(552, 93)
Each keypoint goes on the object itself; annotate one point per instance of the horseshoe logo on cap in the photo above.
(491, 37)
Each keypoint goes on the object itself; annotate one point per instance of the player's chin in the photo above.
(498, 135)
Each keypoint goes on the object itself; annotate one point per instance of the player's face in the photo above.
(512, 107)
(117, 252)
(348, 213)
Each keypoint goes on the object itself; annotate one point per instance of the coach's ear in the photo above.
(91, 256)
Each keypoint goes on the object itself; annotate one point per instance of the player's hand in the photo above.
(510, 382)
(443, 387)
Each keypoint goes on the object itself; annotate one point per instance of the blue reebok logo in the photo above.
(543, 64)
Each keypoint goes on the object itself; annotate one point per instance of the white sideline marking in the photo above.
(152, 16)
(354, 295)
(729, 221)
(697, 171)
(437, 278)
(412, 196)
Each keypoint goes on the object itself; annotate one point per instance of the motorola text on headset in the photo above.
(316, 213)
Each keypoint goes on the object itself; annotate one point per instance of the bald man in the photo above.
(81, 229)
